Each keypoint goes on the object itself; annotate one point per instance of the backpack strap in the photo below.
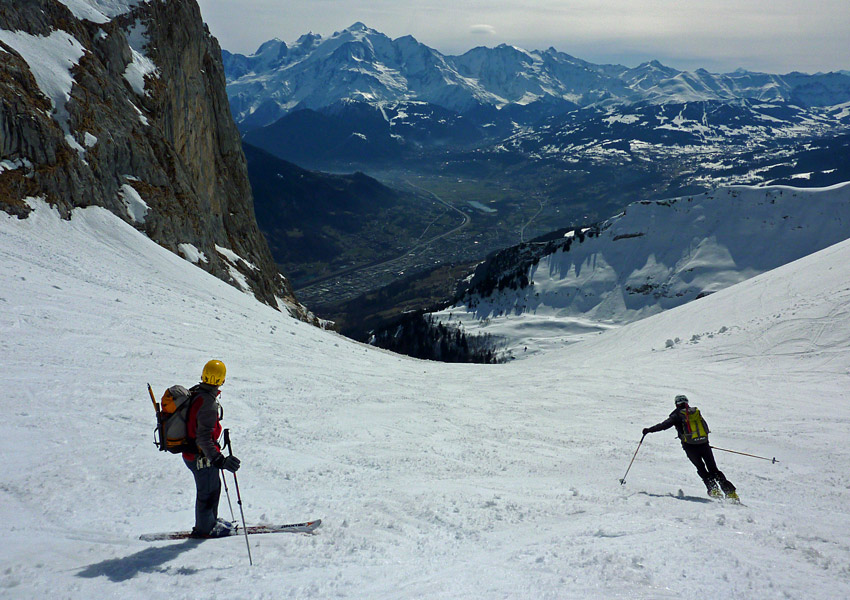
(191, 444)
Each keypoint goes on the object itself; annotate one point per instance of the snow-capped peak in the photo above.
(272, 45)
(321, 74)
(359, 27)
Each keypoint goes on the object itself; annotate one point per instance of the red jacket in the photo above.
(203, 423)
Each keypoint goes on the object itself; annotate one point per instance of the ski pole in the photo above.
(623, 480)
(773, 460)
(227, 493)
(238, 496)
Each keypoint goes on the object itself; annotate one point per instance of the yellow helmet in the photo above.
(214, 372)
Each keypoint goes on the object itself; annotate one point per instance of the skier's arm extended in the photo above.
(665, 424)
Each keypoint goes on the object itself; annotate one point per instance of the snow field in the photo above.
(433, 480)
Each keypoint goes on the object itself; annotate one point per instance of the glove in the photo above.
(645, 430)
(231, 463)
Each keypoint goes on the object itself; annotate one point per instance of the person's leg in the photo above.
(695, 457)
(714, 472)
(208, 490)
(693, 453)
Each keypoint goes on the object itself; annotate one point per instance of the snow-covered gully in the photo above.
(432, 480)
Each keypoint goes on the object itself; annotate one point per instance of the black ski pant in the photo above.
(208, 487)
(703, 459)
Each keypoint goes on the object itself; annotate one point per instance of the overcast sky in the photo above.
(774, 36)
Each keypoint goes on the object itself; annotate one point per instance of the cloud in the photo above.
(765, 35)
(482, 29)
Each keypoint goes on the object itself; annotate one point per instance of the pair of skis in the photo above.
(306, 527)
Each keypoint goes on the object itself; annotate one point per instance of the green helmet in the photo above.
(681, 400)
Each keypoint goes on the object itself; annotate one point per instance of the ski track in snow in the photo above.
(433, 480)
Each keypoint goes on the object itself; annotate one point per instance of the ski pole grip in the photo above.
(227, 440)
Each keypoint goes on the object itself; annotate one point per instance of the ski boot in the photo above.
(712, 489)
(221, 528)
(733, 497)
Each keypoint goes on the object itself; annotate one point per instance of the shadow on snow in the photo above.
(680, 497)
(149, 560)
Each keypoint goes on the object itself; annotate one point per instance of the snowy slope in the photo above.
(434, 480)
(655, 256)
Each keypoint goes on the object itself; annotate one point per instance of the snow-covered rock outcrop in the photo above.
(652, 257)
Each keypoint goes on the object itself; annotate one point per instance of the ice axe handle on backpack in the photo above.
(158, 434)
(153, 399)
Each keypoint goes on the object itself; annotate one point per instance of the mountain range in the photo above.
(585, 137)
(359, 63)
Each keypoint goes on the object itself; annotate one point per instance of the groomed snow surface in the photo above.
(433, 480)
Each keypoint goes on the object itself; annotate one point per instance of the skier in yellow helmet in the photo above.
(203, 425)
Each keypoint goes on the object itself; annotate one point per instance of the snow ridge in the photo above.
(101, 11)
(653, 257)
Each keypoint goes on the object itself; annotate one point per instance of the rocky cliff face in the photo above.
(122, 104)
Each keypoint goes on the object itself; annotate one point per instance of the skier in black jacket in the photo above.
(693, 432)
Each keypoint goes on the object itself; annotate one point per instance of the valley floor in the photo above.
(433, 480)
